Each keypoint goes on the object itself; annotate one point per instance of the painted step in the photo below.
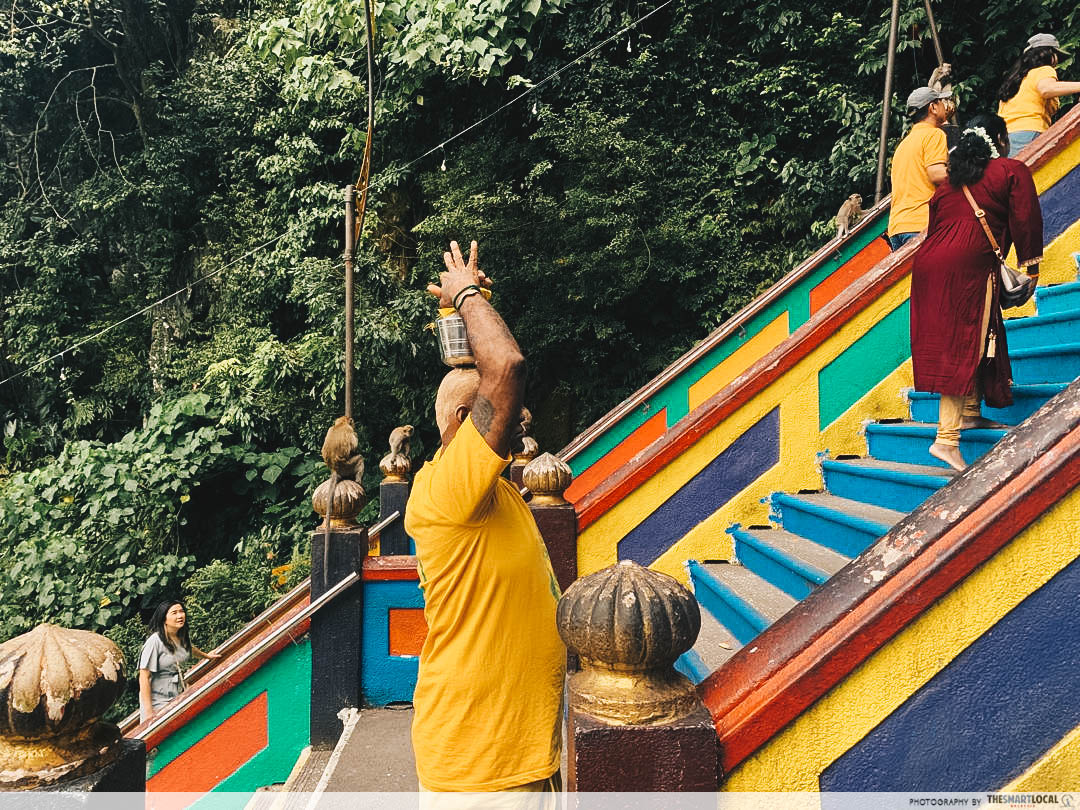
(1046, 364)
(790, 562)
(1058, 298)
(738, 598)
(890, 484)
(843, 525)
(1043, 330)
(1026, 400)
(909, 442)
(714, 646)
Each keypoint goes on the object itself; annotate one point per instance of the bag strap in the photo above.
(981, 215)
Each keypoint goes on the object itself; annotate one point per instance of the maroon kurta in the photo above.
(948, 279)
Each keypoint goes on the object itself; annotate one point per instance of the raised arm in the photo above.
(1053, 88)
(499, 361)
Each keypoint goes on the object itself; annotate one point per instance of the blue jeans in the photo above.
(1018, 140)
(897, 240)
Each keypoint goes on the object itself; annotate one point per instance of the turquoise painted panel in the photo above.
(864, 364)
(286, 679)
(386, 678)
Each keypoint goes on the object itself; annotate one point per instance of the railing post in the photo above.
(547, 478)
(336, 628)
(635, 724)
(55, 684)
(394, 491)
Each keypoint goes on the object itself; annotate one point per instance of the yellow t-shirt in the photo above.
(1027, 111)
(909, 211)
(488, 699)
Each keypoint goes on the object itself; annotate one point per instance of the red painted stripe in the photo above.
(688, 430)
(644, 435)
(389, 567)
(217, 755)
(846, 274)
(408, 629)
(753, 697)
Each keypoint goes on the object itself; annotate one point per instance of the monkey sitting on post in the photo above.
(340, 451)
(848, 215)
(395, 464)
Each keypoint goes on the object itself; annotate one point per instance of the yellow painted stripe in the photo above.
(1058, 166)
(1056, 770)
(1058, 265)
(794, 758)
(796, 393)
(740, 360)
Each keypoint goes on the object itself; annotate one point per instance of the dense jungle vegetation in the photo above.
(193, 152)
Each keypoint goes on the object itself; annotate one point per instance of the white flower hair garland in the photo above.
(982, 133)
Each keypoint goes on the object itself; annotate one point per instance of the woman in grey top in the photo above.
(163, 655)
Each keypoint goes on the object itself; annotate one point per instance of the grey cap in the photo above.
(1044, 41)
(923, 96)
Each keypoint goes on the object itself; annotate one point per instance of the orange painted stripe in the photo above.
(842, 277)
(217, 755)
(389, 567)
(770, 336)
(407, 631)
(617, 456)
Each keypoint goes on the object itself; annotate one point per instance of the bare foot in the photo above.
(970, 422)
(949, 454)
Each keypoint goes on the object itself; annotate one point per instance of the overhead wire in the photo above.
(369, 185)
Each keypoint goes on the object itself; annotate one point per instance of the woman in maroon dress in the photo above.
(955, 319)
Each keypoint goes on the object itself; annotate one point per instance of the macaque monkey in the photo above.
(850, 213)
(340, 452)
(395, 464)
(399, 440)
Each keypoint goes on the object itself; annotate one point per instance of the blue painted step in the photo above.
(1046, 364)
(790, 562)
(1043, 330)
(843, 525)
(738, 598)
(714, 646)
(1058, 298)
(909, 442)
(883, 483)
(1026, 400)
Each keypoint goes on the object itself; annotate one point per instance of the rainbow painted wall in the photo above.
(721, 429)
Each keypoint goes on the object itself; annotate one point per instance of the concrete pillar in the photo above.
(547, 478)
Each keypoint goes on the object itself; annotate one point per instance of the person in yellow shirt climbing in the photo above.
(1028, 97)
(488, 698)
(918, 165)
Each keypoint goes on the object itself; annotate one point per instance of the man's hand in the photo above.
(458, 275)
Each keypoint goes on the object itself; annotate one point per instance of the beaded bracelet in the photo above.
(464, 293)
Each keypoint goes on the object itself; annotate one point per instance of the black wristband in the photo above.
(465, 292)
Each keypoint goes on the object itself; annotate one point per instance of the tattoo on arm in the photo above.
(482, 414)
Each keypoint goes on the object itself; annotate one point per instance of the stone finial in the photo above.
(628, 624)
(55, 684)
(527, 449)
(547, 477)
(396, 465)
(348, 501)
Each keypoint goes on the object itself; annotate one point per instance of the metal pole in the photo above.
(350, 235)
(890, 62)
(933, 34)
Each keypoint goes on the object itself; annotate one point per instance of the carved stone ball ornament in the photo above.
(547, 477)
(628, 624)
(54, 685)
(348, 501)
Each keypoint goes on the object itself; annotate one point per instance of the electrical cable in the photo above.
(285, 233)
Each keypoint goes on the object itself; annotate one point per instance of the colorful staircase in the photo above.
(816, 533)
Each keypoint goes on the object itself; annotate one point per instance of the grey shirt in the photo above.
(163, 665)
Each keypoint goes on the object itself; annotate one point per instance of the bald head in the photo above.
(457, 390)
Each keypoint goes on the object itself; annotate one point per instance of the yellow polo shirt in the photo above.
(488, 699)
(923, 146)
(1028, 111)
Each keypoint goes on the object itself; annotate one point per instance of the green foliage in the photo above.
(105, 530)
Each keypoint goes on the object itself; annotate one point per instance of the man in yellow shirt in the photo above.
(919, 165)
(488, 699)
